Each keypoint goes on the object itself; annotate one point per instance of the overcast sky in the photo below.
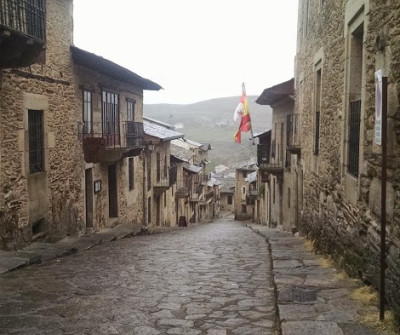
(196, 50)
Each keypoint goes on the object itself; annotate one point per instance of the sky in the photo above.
(196, 50)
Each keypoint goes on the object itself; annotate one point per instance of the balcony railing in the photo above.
(111, 141)
(22, 31)
(273, 168)
(160, 186)
(293, 133)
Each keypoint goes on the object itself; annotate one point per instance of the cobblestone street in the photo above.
(209, 279)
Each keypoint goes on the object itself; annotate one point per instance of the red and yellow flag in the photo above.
(243, 110)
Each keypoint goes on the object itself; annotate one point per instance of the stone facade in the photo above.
(128, 201)
(49, 188)
(48, 201)
(341, 44)
(243, 207)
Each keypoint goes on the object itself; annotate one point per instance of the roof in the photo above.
(181, 153)
(166, 125)
(262, 133)
(205, 146)
(213, 182)
(274, 94)
(160, 132)
(193, 168)
(106, 67)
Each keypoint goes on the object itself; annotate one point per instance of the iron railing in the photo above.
(25, 16)
(126, 134)
(354, 137)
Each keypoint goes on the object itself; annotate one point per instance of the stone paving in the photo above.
(210, 279)
(312, 299)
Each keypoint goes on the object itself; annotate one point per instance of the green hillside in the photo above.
(211, 121)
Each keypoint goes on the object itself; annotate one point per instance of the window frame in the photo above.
(36, 141)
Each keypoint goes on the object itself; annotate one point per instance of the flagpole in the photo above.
(251, 127)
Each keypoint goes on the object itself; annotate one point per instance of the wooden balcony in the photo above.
(22, 32)
(275, 169)
(108, 142)
(254, 194)
(182, 192)
(293, 134)
(160, 186)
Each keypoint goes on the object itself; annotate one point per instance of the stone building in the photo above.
(227, 192)
(40, 180)
(282, 166)
(110, 129)
(243, 204)
(264, 177)
(340, 47)
(70, 132)
(157, 190)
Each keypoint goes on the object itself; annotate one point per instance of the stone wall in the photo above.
(47, 87)
(342, 213)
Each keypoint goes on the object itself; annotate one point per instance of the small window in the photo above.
(243, 190)
(36, 141)
(131, 173)
(165, 199)
(229, 200)
(288, 198)
(244, 209)
(130, 109)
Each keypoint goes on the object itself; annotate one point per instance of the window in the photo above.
(111, 118)
(165, 199)
(244, 209)
(243, 190)
(229, 200)
(131, 173)
(87, 112)
(36, 141)
(288, 198)
(354, 108)
(317, 104)
(130, 109)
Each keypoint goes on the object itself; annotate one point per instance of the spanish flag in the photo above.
(243, 110)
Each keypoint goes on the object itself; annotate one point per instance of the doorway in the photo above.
(89, 197)
(112, 191)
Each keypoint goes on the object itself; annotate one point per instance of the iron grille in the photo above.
(354, 137)
(26, 16)
(35, 130)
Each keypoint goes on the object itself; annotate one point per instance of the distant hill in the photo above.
(211, 121)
